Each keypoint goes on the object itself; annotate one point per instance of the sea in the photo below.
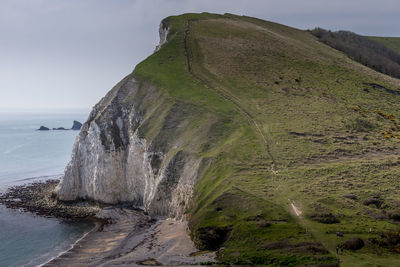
(26, 156)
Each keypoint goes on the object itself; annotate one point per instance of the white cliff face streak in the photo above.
(163, 31)
(112, 162)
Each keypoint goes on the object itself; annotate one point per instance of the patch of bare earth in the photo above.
(295, 209)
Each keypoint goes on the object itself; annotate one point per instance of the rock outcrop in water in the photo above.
(43, 128)
(131, 150)
(76, 125)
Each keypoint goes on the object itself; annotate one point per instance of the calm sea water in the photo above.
(26, 156)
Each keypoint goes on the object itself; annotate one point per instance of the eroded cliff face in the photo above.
(163, 32)
(111, 162)
(132, 149)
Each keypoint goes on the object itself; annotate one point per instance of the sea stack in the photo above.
(76, 125)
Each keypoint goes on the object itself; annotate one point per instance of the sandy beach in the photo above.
(133, 238)
(122, 235)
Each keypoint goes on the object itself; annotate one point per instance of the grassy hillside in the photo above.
(364, 50)
(391, 42)
(304, 142)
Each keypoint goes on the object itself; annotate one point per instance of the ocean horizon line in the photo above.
(44, 110)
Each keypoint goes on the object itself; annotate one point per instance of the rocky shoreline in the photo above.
(38, 198)
(122, 235)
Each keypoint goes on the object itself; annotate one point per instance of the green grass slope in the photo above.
(362, 49)
(391, 42)
(304, 142)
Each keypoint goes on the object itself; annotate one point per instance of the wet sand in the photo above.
(133, 239)
(122, 236)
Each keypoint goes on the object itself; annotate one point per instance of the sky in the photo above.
(67, 54)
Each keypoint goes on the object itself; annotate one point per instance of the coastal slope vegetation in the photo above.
(379, 53)
(390, 42)
(303, 126)
(298, 144)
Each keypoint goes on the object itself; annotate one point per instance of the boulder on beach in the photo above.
(43, 128)
(76, 125)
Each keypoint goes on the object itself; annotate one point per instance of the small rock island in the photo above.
(43, 128)
(76, 125)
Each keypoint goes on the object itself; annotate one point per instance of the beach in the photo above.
(121, 235)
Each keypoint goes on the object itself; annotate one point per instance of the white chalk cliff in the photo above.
(130, 150)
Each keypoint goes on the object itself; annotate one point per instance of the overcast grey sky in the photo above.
(69, 53)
